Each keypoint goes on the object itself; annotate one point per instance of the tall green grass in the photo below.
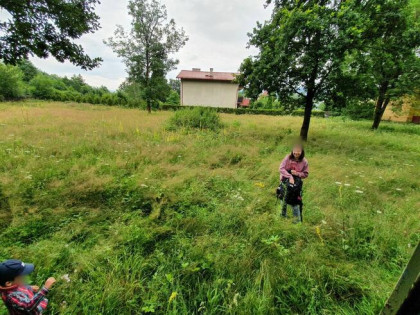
(149, 220)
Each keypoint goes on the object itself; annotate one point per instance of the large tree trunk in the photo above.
(381, 105)
(307, 117)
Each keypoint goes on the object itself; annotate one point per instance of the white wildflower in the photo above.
(359, 191)
(347, 185)
(338, 183)
(379, 212)
(143, 185)
(398, 189)
(66, 278)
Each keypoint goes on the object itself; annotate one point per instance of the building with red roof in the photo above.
(208, 88)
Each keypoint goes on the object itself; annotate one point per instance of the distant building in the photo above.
(244, 102)
(408, 112)
(210, 89)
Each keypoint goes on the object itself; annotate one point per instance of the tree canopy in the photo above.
(43, 28)
(300, 46)
(148, 47)
(339, 52)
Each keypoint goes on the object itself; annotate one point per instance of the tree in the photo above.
(300, 47)
(147, 48)
(10, 82)
(389, 56)
(42, 87)
(173, 98)
(175, 85)
(28, 69)
(43, 28)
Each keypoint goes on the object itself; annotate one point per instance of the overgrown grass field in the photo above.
(148, 219)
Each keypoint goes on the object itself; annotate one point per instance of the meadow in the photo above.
(140, 218)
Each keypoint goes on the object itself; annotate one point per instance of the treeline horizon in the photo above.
(25, 81)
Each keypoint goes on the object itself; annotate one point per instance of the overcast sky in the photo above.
(217, 30)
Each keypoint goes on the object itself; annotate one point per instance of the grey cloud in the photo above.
(217, 30)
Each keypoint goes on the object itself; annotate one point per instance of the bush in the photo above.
(173, 98)
(196, 118)
(359, 110)
(237, 111)
(11, 84)
(315, 112)
(42, 87)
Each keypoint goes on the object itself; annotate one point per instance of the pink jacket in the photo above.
(302, 168)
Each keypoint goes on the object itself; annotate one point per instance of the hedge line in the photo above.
(244, 111)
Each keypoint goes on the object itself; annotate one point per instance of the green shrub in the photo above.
(315, 112)
(11, 84)
(173, 98)
(359, 110)
(237, 111)
(196, 118)
(42, 87)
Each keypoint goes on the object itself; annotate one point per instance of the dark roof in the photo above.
(208, 76)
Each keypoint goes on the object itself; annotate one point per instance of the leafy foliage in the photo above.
(359, 110)
(11, 85)
(44, 28)
(195, 118)
(147, 47)
(300, 46)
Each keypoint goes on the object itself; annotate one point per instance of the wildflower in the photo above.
(398, 189)
(173, 296)
(66, 278)
(379, 212)
(359, 191)
(28, 177)
(338, 183)
(324, 222)
(143, 185)
(347, 185)
(259, 184)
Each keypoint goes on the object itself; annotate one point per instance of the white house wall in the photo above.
(210, 94)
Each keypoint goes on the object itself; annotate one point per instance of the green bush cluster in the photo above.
(247, 111)
(195, 118)
(315, 112)
(359, 110)
(11, 84)
(26, 81)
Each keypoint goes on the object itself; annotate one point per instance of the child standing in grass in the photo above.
(18, 297)
(294, 164)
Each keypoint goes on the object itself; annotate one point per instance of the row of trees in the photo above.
(45, 28)
(25, 80)
(336, 51)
